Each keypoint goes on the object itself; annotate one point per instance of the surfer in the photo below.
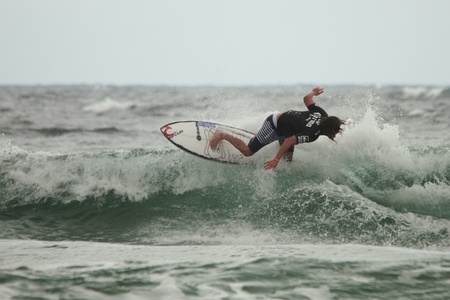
(289, 129)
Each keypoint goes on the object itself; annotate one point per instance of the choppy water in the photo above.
(96, 203)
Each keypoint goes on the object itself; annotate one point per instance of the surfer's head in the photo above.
(330, 126)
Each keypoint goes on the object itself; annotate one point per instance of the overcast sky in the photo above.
(229, 42)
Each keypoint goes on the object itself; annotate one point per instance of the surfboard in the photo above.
(194, 137)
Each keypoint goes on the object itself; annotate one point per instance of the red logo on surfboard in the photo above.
(165, 130)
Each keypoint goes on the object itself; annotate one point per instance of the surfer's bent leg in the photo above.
(266, 135)
(237, 143)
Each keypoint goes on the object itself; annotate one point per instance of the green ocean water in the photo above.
(95, 203)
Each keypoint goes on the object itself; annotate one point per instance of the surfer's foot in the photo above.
(216, 138)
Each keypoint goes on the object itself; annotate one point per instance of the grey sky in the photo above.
(233, 42)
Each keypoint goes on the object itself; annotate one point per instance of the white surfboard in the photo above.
(194, 137)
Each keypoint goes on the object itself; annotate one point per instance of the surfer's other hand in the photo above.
(271, 164)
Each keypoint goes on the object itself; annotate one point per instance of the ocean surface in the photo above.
(95, 203)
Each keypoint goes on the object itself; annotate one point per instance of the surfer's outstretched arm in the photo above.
(308, 99)
(288, 143)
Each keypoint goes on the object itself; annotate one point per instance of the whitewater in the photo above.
(95, 203)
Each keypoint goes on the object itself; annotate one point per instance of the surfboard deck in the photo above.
(194, 137)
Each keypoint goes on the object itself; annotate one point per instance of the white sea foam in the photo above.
(107, 105)
(421, 92)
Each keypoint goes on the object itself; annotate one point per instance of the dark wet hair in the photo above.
(330, 126)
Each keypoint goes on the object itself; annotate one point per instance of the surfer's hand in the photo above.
(271, 164)
(317, 91)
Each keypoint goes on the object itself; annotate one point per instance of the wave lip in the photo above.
(170, 198)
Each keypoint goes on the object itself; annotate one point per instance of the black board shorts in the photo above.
(266, 135)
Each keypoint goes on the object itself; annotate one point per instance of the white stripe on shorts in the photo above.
(267, 134)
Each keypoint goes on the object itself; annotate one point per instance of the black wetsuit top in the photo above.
(303, 124)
